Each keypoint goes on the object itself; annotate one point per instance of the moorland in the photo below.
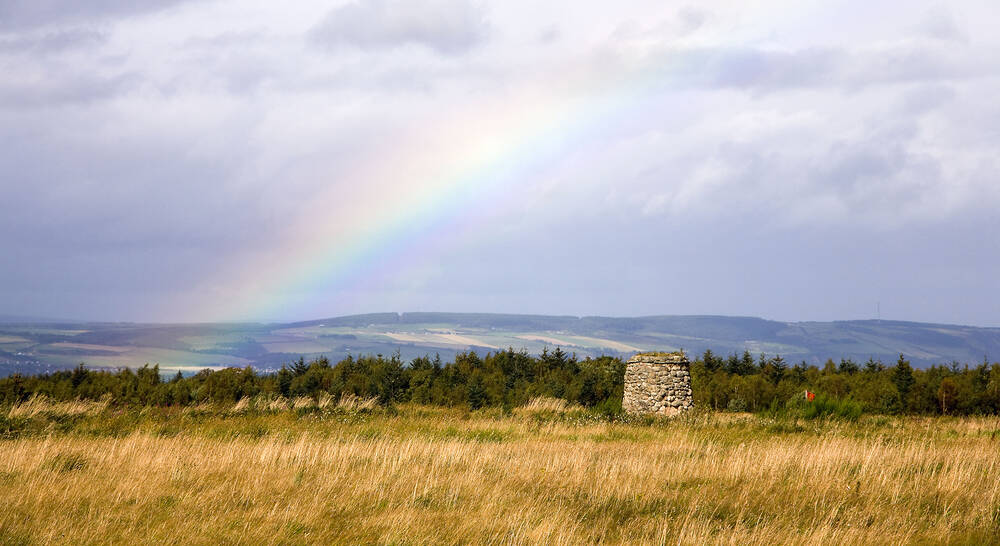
(502, 448)
(307, 470)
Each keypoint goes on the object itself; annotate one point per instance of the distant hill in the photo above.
(35, 345)
(21, 319)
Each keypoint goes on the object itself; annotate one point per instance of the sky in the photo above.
(195, 161)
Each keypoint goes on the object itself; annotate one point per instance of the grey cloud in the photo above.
(226, 40)
(548, 34)
(691, 19)
(240, 71)
(127, 212)
(446, 26)
(58, 90)
(863, 176)
(926, 98)
(133, 168)
(840, 168)
(22, 14)
(906, 63)
(881, 178)
(53, 42)
(860, 174)
(761, 69)
(735, 263)
(939, 24)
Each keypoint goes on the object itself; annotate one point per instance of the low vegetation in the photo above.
(269, 470)
(507, 379)
(503, 448)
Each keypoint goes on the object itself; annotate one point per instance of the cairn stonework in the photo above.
(657, 383)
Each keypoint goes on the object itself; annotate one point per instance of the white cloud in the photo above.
(446, 26)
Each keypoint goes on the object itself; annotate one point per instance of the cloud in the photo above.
(151, 153)
(446, 26)
(926, 98)
(53, 42)
(756, 67)
(548, 34)
(23, 14)
(51, 90)
(761, 69)
(691, 19)
(938, 23)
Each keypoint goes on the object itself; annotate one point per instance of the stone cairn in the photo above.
(657, 383)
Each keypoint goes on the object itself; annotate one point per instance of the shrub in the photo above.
(824, 406)
(609, 408)
(737, 404)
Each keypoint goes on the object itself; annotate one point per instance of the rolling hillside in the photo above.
(38, 346)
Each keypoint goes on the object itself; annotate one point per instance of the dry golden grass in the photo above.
(351, 402)
(272, 404)
(545, 404)
(40, 405)
(425, 475)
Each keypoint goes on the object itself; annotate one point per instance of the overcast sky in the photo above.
(170, 160)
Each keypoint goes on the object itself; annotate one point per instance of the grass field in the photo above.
(307, 472)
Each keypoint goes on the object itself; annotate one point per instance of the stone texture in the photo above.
(658, 383)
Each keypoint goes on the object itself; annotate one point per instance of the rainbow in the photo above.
(392, 209)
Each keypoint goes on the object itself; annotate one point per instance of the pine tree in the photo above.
(284, 381)
(848, 366)
(300, 367)
(902, 377)
(391, 384)
(873, 366)
(79, 374)
(476, 392)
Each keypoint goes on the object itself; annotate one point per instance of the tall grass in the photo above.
(546, 404)
(40, 405)
(418, 475)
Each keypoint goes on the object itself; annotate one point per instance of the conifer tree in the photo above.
(902, 377)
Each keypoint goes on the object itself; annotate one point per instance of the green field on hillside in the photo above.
(309, 471)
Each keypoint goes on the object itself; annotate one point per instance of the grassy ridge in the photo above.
(35, 348)
(322, 472)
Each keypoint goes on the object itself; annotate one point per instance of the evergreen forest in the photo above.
(509, 378)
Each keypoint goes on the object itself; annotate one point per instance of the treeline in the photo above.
(743, 383)
(505, 378)
(510, 378)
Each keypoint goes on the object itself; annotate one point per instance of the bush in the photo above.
(609, 408)
(737, 404)
(824, 406)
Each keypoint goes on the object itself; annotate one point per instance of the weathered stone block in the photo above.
(658, 383)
